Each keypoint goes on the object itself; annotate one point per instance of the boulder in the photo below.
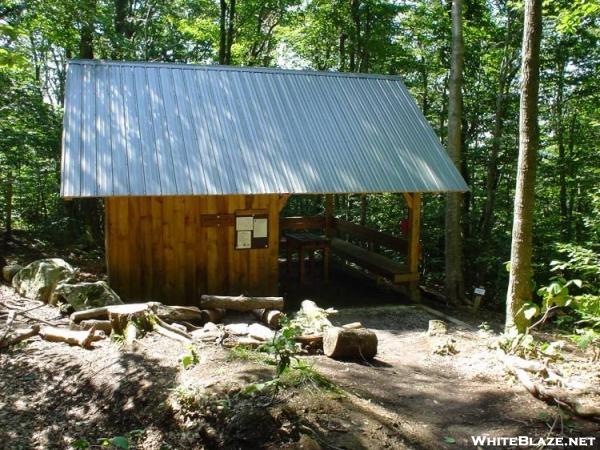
(39, 279)
(9, 272)
(85, 295)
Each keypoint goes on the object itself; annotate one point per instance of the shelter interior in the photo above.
(175, 248)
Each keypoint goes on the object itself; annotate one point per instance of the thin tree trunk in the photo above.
(230, 32)
(454, 283)
(505, 78)
(222, 31)
(363, 209)
(520, 285)
(560, 141)
(8, 204)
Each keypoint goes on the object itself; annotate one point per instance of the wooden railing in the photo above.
(370, 236)
(302, 223)
(361, 233)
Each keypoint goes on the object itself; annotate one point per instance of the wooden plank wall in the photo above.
(156, 249)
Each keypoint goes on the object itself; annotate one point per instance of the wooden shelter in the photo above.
(195, 163)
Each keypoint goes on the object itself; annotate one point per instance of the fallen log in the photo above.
(102, 325)
(240, 303)
(170, 331)
(270, 317)
(356, 343)
(19, 335)
(71, 337)
(353, 325)
(553, 397)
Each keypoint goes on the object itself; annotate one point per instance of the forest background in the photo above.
(411, 39)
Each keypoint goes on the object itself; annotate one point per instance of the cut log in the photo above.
(212, 315)
(240, 303)
(359, 343)
(100, 313)
(72, 337)
(102, 325)
(270, 317)
(19, 335)
(353, 326)
(312, 319)
(121, 315)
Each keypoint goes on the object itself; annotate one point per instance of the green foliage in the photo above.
(283, 346)
(191, 358)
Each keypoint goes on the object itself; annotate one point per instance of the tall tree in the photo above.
(454, 245)
(519, 285)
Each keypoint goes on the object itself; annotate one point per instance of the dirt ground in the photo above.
(52, 394)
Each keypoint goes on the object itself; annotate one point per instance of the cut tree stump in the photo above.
(240, 303)
(72, 337)
(269, 317)
(356, 343)
(437, 327)
(138, 313)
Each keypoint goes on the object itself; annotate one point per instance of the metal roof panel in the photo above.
(135, 128)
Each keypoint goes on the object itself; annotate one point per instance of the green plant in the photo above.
(191, 358)
(283, 346)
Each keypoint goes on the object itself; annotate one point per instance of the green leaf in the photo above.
(120, 442)
(449, 440)
(80, 444)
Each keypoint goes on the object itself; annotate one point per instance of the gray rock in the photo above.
(260, 332)
(237, 329)
(39, 279)
(8, 272)
(85, 295)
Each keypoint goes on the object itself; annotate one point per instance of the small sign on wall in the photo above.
(251, 229)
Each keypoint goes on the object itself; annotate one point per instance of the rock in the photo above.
(306, 442)
(38, 280)
(83, 296)
(237, 329)
(210, 326)
(437, 327)
(8, 272)
(260, 332)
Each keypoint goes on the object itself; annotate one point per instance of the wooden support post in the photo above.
(329, 210)
(414, 231)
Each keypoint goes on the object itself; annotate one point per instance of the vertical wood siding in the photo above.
(157, 249)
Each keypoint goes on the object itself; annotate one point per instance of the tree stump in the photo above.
(138, 313)
(437, 327)
(355, 343)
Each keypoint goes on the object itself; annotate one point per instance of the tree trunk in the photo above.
(520, 285)
(222, 31)
(505, 78)
(560, 141)
(454, 283)
(8, 205)
(86, 38)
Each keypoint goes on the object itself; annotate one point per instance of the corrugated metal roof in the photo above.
(176, 129)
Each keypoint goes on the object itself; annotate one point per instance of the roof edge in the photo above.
(217, 67)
